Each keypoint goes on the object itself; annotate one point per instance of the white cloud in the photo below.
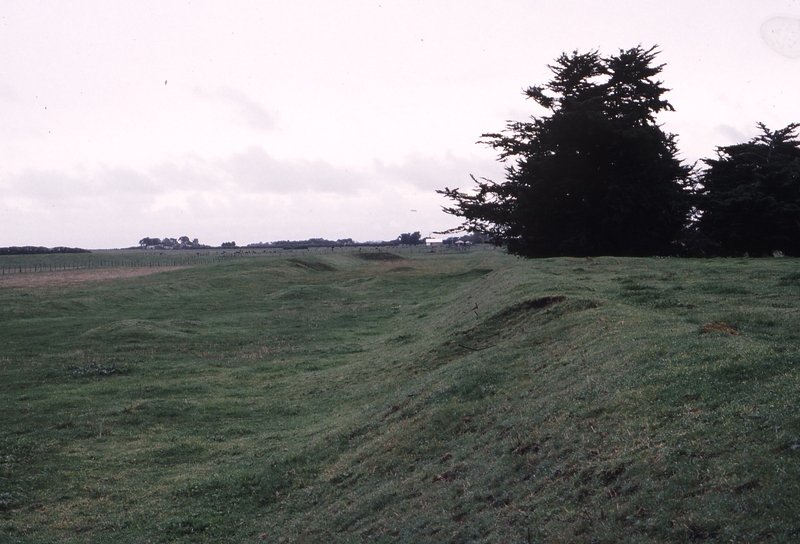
(7, 92)
(248, 197)
(428, 174)
(731, 135)
(248, 112)
(255, 171)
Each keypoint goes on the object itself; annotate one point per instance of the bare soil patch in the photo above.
(76, 277)
(718, 326)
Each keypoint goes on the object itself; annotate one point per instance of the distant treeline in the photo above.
(408, 238)
(311, 242)
(184, 242)
(38, 250)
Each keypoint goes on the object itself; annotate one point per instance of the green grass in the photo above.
(404, 397)
(139, 258)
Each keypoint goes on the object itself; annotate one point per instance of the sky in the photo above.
(256, 121)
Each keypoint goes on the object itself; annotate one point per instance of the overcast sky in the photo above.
(267, 120)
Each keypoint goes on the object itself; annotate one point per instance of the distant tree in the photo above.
(144, 242)
(597, 176)
(472, 238)
(184, 240)
(228, 244)
(36, 250)
(410, 239)
(750, 196)
(476, 238)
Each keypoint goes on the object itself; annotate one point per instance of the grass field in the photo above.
(136, 258)
(403, 397)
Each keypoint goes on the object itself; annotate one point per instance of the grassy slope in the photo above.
(445, 398)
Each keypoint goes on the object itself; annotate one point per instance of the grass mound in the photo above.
(312, 264)
(466, 397)
(378, 256)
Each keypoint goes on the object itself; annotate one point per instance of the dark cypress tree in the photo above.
(597, 176)
(750, 196)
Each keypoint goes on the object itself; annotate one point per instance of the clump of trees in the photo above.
(471, 238)
(597, 175)
(409, 238)
(171, 243)
(304, 244)
(749, 196)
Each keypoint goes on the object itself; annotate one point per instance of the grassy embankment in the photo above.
(465, 397)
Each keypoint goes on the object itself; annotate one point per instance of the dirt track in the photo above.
(76, 277)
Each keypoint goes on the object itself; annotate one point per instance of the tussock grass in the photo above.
(448, 397)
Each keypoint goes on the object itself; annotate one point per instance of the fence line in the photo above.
(104, 264)
(207, 258)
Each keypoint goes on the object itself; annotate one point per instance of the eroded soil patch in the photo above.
(718, 326)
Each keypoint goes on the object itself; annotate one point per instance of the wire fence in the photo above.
(23, 264)
(85, 265)
(19, 264)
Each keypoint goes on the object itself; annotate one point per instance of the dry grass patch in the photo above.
(718, 326)
(68, 278)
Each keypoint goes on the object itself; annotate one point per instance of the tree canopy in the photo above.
(171, 243)
(749, 200)
(410, 238)
(596, 176)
